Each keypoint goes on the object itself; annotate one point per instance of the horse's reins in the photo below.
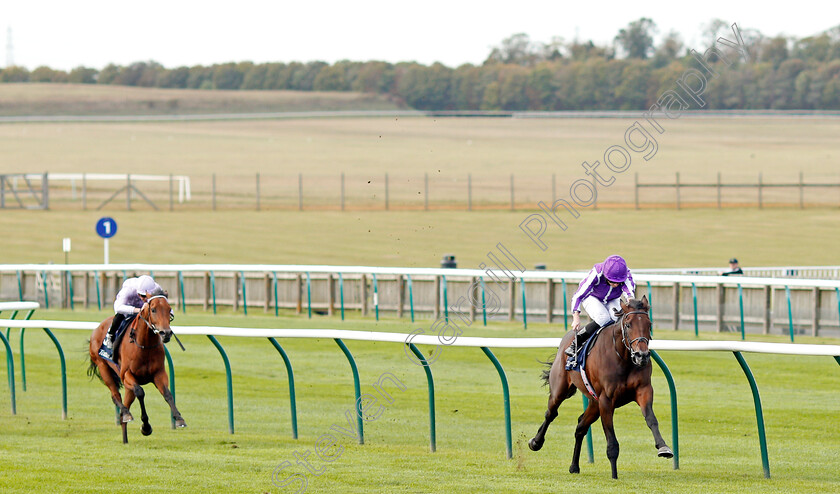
(154, 328)
(624, 333)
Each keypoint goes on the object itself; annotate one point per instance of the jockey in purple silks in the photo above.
(599, 294)
(129, 301)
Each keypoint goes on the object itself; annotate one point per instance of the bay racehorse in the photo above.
(140, 361)
(618, 370)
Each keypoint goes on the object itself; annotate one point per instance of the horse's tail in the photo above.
(93, 371)
(545, 373)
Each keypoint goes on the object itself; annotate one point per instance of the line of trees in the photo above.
(520, 74)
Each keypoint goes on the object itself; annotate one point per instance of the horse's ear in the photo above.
(645, 303)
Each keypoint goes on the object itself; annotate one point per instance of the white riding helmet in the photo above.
(145, 285)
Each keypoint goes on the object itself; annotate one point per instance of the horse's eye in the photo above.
(154, 311)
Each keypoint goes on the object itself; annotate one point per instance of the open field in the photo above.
(92, 99)
(447, 149)
(647, 238)
(718, 439)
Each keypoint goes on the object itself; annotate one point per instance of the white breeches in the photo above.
(600, 312)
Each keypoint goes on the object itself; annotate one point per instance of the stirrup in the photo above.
(571, 350)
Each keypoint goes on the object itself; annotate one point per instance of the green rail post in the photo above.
(46, 295)
(650, 303)
(524, 306)
(276, 306)
(483, 302)
(98, 294)
(675, 435)
(431, 383)
(506, 393)
(22, 357)
(411, 296)
(759, 415)
(309, 295)
(694, 295)
(244, 293)
(341, 296)
(837, 292)
(171, 381)
(10, 369)
(63, 374)
(357, 388)
(445, 301)
(229, 380)
(589, 450)
(70, 289)
(741, 308)
(183, 301)
(376, 296)
(20, 287)
(9, 330)
(565, 305)
(790, 312)
(213, 289)
(836, 358)
(291, 374)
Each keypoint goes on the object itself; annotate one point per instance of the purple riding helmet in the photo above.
(615, 269)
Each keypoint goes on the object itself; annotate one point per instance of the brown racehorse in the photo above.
(618, 369)
(140, 362)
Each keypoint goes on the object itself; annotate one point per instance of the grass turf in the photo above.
(647, 238)
(718, 438)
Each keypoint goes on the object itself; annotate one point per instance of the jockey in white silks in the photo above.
(128, 302)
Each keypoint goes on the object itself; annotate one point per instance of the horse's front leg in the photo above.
(586, 419)
(644, 397)
(161, 380)
(146, 428)
(607, 408)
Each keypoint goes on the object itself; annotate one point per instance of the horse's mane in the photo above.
(158, 291)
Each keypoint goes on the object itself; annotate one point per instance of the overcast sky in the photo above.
(66, 34)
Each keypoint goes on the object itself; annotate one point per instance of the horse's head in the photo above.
(636, 329)
(158, 314)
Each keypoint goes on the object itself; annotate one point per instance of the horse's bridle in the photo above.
(154, 328)
(624, 327)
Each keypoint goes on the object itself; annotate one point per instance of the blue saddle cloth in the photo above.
(583, 352)
(118, 338)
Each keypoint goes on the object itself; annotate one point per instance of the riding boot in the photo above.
(581, 337)
(107, 350)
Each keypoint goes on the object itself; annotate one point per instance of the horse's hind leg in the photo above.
(644, 397)
(586, 419)
(105, 373)
(559, 393)
(160, 383)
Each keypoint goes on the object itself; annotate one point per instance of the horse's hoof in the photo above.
(146, 429)
(574, 469)
(665, 452)
(533, 445)
(179, 423)
(127, 417)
